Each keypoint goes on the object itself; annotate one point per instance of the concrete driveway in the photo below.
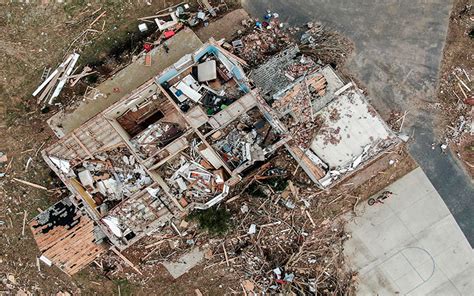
(398, 52)
(411, 244)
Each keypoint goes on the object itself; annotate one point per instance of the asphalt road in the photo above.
(399, 46)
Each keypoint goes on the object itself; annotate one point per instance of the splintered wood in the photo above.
(30, 184)
(297, 247)
(51, 87)
(125, 259)
(326, 45)
(303, 124)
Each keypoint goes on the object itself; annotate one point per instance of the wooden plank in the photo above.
(48, 89)
(30, 184)
(70, 248)
(129, 263)
(82, 146)
(51, 76)
(148, 59)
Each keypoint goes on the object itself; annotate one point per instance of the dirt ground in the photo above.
(457, 56)
(33, 37)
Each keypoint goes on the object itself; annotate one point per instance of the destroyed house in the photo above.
(181, 140)
(176, 143)
(334, 129)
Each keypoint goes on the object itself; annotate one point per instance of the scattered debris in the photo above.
(286, 254)
(201, 131)
(58, 78)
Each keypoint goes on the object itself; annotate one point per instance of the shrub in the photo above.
(215, 220)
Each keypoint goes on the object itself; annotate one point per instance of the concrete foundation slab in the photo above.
(224, 27)
(410, 245)
(125, 81)
(185, 263)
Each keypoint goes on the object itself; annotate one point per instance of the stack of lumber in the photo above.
(51, 87)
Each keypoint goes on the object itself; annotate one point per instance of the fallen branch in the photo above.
(97, 18)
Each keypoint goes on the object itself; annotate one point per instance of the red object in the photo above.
(147, 46)
(469, 101)
(169, 34)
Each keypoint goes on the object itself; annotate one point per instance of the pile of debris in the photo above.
(135, 216)
(213, 86)
(194, 182)
(303, 133)
(284, 243)
(111, 176)
(325, 45)
(457, 92)
(245, 141)
(302, 67)
(283, 240)
(54, 82)
(240, 146)
(261, 39)
(303, 123)
(182, 14)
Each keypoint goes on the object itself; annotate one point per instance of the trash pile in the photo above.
(261, 39)
(195, 183)
(111, 176)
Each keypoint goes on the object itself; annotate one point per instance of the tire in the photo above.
(371, 201)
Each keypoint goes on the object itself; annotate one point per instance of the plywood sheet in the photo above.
(66, 237)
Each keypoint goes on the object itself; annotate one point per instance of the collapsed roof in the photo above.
(181, 140)
(333, 128)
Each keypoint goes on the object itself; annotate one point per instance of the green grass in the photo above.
(126, 288)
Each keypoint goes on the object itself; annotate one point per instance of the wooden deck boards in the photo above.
(69, 246)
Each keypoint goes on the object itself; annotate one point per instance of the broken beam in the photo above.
(126, 260)
(30, 184)
(82, 146)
